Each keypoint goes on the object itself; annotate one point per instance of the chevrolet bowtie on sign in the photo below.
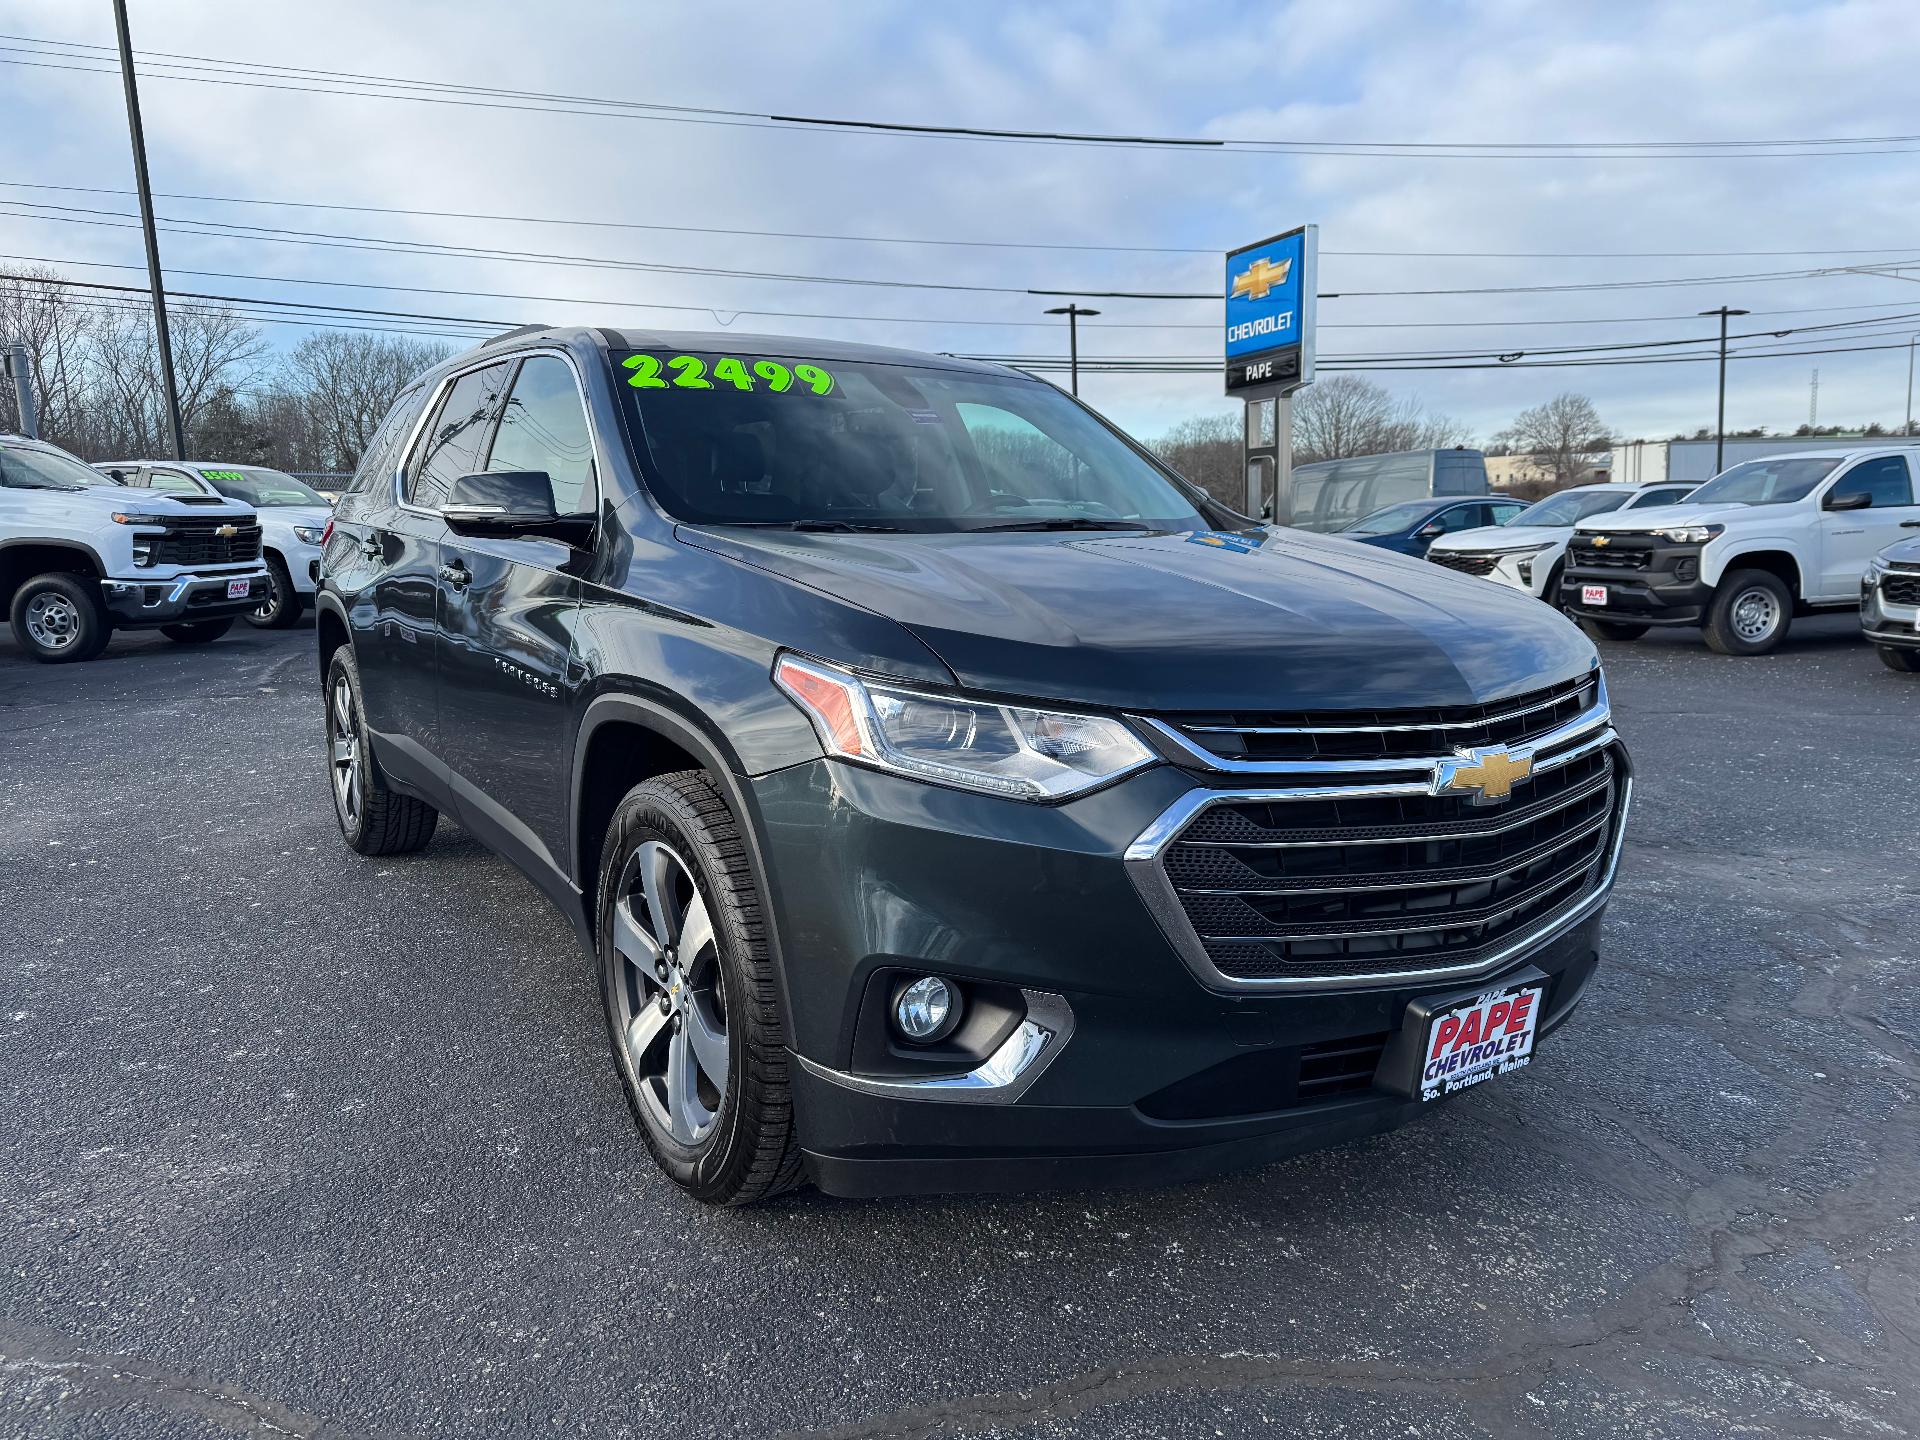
(1270, 302)
(1485, 775)
(1260, 279)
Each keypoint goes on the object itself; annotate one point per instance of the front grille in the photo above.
(1386, 734)
(198, 542)
(1614, 555)
(1900, 589)
(1465, 561)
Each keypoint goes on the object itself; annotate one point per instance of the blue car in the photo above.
(1412, 525)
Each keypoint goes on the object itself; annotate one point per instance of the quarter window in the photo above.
(453, 441)
(382, 452)
(544, 428)
(171, 482)
(1885, 481)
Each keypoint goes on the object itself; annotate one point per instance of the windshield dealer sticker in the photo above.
(1225, 540)
(689, 372)
(1488, 1036)
(222, 475)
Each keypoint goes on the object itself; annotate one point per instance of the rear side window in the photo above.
(1656, 497)
(170, 481)
(1885, 481)
(383, 451)
(451, 444)
(544, 427)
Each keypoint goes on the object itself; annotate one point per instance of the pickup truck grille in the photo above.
(1363, 874)
(1616, 554)
(1900, 588)
(1466, 562)
(198, 542)
(1387, 734)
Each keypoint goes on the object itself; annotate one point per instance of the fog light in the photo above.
(1525, 567)
(926, 1009)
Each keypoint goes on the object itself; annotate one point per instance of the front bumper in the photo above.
(1649, 581)
(1144, 1074)
(184, 598)
(1885, 623)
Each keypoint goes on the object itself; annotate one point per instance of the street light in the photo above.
(1073, 314)
(1720, 426)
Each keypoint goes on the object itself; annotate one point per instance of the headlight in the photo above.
(309, 534)
(1691, 534)
(129, 517)
(1876, 567)
(1005, 750)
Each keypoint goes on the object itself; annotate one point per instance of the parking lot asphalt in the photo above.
(297, 1143)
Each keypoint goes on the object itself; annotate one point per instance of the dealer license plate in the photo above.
(1593, 594)
(1484, 1037)
(237, 589)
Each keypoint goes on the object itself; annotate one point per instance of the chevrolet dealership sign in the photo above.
(1270, 313)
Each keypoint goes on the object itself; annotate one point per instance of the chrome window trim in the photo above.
(1149, 877)
(1596, 716)
(1382, 729)
(1002, 1078)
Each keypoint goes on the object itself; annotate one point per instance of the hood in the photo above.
(1502, 537)
(1907, 552)
(314, 515)
(1668, 517)
(1283, 620)
(107, 498)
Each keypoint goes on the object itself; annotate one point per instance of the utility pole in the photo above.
(19, 366)
(1907, 429)
(1813, 401)
(1073, 314)
(139, 137)
(1720, 425)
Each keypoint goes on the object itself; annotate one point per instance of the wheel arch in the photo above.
(331, 630)
(1783, 564)
(24, 558)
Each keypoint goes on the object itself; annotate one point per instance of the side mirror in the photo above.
(1849, 500)
(1429, 532)
(509, 505)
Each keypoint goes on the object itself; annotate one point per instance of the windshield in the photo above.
(22, 469)
(753, 440)
(1568, 508)
(1394, 517)
(261, 488)
(1764, 482)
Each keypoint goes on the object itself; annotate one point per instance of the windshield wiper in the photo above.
(1064, 522)
(845, 526)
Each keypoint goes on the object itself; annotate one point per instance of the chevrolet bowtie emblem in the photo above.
(1260, 278)
(227, 532)
(1484, 774)
(1600, 540)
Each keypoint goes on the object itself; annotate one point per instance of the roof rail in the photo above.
(513, 334)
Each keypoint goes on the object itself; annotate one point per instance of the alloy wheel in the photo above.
(1755, 614)
(53, 622)
(265, 612)
(670, 993)
(344, 737)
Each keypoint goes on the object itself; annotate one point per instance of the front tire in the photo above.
(282, 606)
(373, 819)
(687, 984)
(1750, 614)
(1613, 629)
(58, 618)
(1895, 657)
(199, 632)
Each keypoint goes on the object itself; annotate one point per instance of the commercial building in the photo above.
(1641, 462)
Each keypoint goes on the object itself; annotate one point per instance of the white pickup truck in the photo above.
(81, 558)
(1759, 543)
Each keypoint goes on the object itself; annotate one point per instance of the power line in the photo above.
(937, 240)
(176, 65)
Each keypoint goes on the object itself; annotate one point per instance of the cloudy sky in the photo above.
(1507, 73)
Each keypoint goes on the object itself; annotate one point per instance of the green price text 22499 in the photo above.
(689, 372)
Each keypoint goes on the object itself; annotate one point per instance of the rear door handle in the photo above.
(457, 575)
(371, 548)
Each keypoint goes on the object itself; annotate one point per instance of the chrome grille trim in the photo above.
(1499, 719)
(1197, 757)
(1156, 888)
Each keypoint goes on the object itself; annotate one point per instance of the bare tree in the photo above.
(1562, 439)
(1351, 415)
(348, 380)
(215, 353)
(1208, 450)
(39, 314)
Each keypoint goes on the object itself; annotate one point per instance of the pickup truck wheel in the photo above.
(1750, 613)
(58, 618)
(198, 632)
(1613, 629)
(373, 819)
(687, 984)
(1895, 657)
(282, 606)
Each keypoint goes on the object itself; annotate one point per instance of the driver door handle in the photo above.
(456, 575)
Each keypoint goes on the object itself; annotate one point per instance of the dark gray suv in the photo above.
(950, 796)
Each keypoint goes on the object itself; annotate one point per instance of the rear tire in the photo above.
(1896, 657)
(283, 603)
(1750, 614)
(58, 618)
(687, 986)
(373, 819)
(199, 632)
(1613, 629)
